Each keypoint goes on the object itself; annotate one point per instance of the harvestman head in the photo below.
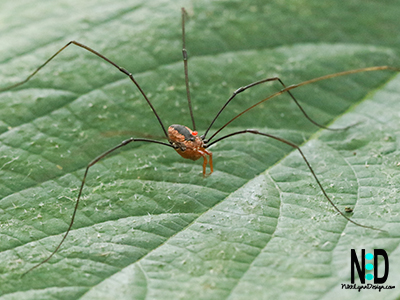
(185, 141)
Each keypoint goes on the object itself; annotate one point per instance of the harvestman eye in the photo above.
(185, 141)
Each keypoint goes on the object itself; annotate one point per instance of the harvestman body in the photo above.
(186, 141)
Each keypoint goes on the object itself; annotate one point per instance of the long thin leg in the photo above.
(235, 93)
(243, 88)
(307, 163)
(185, 67)
(127, 73)
(291, 87)
(93, 162)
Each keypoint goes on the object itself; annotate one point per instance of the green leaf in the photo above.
(149, 225)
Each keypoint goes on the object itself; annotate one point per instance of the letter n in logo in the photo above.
(354, 262)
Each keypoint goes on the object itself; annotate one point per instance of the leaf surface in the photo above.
(149, 225)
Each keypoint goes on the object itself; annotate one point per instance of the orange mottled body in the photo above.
(189, 145)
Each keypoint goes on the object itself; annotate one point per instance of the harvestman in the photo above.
(186, 141)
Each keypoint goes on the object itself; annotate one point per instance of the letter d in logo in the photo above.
(385, 257)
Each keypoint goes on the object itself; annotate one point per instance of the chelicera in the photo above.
(186, 141)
